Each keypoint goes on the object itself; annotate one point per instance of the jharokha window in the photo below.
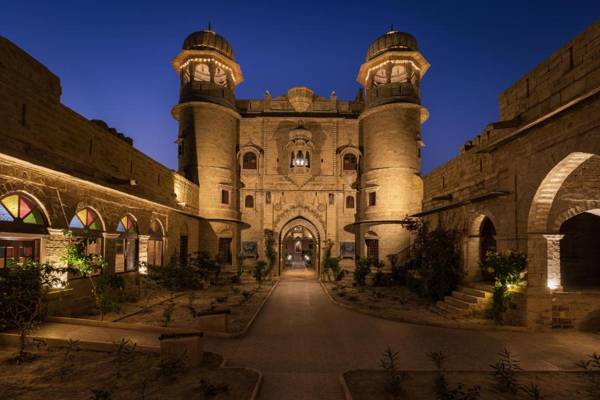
(350, 162)
(155, 243)
(126, 257)
(249, 161)
(22, 218)
(249, 201)
(350, 202)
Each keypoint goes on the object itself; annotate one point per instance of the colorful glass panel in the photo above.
(18, 208)
(95, 226)
(127, 224)
(76, 223)
(12, 204)
(5, 215)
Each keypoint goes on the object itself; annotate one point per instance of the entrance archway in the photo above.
(299, 247)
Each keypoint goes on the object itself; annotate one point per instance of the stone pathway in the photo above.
(302, 342)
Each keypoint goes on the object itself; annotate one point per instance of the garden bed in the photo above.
(242, 300)
(395, 303)
(419, 385)
(141, 377)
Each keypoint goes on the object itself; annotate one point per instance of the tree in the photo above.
(270, 252)
(87, 265)
(23, 298)
(331, 264)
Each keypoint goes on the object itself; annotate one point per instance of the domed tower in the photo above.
(209, 126)
(391, 187)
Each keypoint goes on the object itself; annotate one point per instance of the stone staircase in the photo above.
(468, 301)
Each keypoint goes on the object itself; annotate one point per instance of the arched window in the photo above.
(202, 72)
(579, 251)
(18, 208)
(249, 160)
(349, 201)
(350, 162)
(155, 243)
(220, 77)
(249, 201)
(86, 218)
(487, 241)
(19, 215)
(399, 74)
(126, 257)
(380, 77)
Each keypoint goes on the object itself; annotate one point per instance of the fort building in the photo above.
(313, 171)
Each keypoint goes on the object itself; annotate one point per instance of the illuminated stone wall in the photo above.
(530, 172)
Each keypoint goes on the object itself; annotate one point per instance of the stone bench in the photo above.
(185, 346)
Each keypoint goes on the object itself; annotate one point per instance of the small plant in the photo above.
(506, 271)
(505, 372)
(331, 265)
(259, 271)
(443, 390)
(247, 294)
(394, 377)
(532, 391)
(167, 313)
(270, 252)
(363, 268)
(173, 365)
(101, 394)
(67, 361)
(122, 354)
(211, 389)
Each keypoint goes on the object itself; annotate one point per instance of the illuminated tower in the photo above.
(391, 187)
(208, 134)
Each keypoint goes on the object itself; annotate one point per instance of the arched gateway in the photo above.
(299, 246)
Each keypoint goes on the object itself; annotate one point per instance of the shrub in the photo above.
(270, 252)
(206, 268)
(331, 265)
(506, 271)
(394, 377)
(363, 268)
(211, 389)
(259, 271)
(505, 372)
(591, 366)
(176, 277)
(442, 388)
(436, 261)
(23, 303)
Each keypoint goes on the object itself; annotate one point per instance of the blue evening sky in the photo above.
(113, 56)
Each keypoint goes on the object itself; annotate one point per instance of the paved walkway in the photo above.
(302, 342)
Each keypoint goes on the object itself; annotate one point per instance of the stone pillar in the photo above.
(472, 259)
(109, 249)
(553, 261)
(143, 248)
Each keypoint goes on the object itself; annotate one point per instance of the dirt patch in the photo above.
(243, 301)
(396, 303)
(50, 377)
(369, 384)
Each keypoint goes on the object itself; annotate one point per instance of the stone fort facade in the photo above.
(313, 171)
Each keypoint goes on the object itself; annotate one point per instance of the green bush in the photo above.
(260, 271)
(206, 268)
(506, 271)
(363, 268)
(436, 261)
(176, 277)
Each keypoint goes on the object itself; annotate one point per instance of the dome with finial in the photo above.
(392, 40)
(208, 40)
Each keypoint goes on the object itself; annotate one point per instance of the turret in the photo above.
(209, 131)
(390, 133)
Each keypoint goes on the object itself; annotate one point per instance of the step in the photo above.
(474, 292)
(455, 311)
(439, 311)
(457, 302)
(486, 287)
(466, 297)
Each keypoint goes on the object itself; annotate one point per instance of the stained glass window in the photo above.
(127, 224)
(155, 230)
(18, 208)
(86, 218)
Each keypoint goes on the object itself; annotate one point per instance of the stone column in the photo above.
(553, 261)
(471, 259)
(143, 248)
(109, 250)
